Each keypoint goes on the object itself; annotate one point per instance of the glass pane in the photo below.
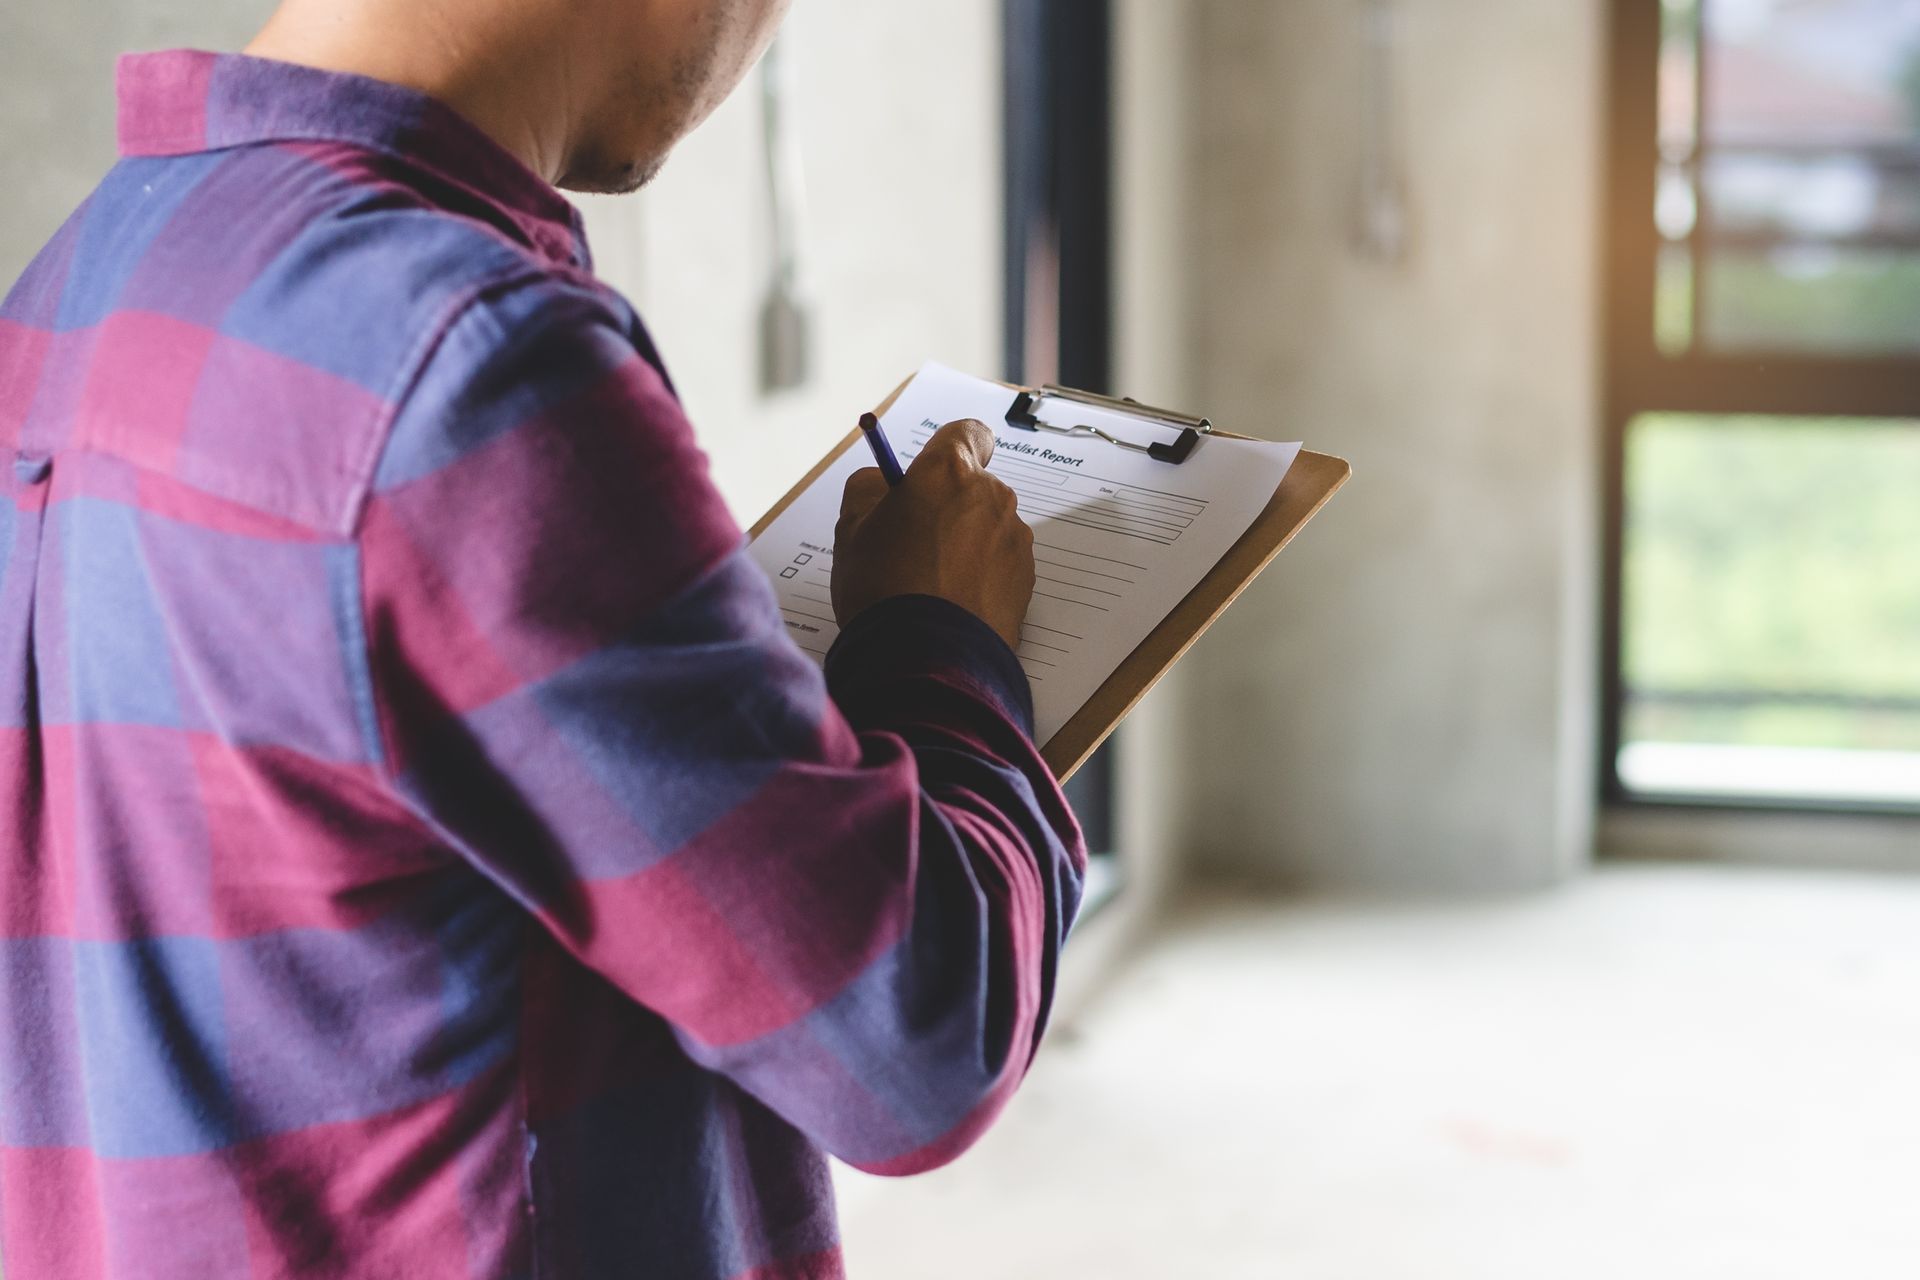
(1809, 73)
(1673, 300)
(1772, 608)
(1790, 164)
(1676, 205)
(1679, 79)
(1827, 196)
(1813, 299)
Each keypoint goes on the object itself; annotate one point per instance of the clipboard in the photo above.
(1308, 486)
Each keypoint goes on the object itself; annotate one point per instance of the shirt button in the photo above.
(31, 468)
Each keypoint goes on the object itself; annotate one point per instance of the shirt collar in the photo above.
(182, 101)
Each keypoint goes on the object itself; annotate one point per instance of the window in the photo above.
(1763, 400)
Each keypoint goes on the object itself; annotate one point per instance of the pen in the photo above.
(882, 451)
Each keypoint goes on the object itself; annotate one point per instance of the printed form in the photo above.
(1119, 538)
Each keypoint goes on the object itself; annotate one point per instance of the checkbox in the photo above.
(804, 558)
(789, 573)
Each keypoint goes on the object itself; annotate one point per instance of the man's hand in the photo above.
(949, 530)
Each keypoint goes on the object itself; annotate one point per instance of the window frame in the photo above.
(1638, 379)
(1058, 301)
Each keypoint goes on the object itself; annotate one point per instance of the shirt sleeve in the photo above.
(846, 893)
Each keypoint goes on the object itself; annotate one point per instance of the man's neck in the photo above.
(509, 82)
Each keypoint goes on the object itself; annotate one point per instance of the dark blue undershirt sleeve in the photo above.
(925, 635)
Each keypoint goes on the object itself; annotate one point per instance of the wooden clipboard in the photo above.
(1309, 486)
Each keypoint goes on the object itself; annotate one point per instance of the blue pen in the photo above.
(882, 451)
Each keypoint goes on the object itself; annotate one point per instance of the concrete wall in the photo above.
(899, 123)
(1404, 703)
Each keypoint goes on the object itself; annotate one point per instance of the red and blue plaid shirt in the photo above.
(422, 853)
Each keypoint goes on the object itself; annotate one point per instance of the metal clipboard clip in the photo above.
(1026, 408)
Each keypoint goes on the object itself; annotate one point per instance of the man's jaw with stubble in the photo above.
(660, 108)
(613, 179)
(630, 152)
(664, 104)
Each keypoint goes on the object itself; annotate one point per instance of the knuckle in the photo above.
(969, 438)
(983, 442)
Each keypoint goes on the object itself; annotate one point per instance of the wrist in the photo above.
(917, 635)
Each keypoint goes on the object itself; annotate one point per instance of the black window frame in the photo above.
(1638, 379)
(1058, 173)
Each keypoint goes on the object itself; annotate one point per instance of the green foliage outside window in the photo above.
(1773, 565)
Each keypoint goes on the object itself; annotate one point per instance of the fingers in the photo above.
(864, 490)
(967, 444)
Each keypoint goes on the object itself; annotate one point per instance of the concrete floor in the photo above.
(1663, 1072)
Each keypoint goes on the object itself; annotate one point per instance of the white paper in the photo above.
(1120, 539)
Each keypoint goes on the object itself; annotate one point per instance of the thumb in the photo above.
(968, 442)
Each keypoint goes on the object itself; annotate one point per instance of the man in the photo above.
(422, 853)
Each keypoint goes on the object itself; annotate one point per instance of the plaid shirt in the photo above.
(422, 853)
